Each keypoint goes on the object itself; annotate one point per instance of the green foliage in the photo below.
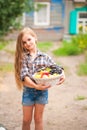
(68, 48)
(80, 41)
(44, 46)
(11, 10)
(6, 67)
(39, 6)
(3, 43)
(82, 69)
(75, 46)
(80, 97)
(60, 52)
(86, 56)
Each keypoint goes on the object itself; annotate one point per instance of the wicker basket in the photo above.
(48, 81)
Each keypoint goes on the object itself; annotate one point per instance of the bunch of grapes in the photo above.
(55, 69)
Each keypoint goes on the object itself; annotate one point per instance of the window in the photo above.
(82, 22)
(42, 13)
(83, 15)
(79, 0)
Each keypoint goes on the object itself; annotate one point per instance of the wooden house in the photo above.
(52, 19)
(47, 19)
(75, 17)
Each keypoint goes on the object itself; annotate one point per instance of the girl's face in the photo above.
(29, 42)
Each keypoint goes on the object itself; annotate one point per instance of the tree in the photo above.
(10, 10)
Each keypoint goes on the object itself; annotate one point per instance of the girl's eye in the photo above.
(29, 39)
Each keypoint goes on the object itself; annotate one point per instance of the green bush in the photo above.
(68, 48)
(75, 46)
(80, 41)
(71, 48)
(11, 10)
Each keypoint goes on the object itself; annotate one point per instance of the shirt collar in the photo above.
(39, 53)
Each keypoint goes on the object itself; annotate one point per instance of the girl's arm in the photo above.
(29, 83)
(26, 78)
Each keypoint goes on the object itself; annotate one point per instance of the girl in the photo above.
(28, 59)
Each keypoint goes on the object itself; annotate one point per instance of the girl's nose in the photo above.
(28, 43)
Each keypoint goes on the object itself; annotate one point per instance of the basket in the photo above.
(48, 81)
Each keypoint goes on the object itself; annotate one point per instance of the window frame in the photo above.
(36, 23)
(83, 20)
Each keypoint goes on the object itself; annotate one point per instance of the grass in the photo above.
(67, 49)
(82, 69)
(44, 46)
(80, 97)
(3, 43)
(6, 67)
(12, 52)
(60, 52)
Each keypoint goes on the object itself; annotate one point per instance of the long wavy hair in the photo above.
(19, 54)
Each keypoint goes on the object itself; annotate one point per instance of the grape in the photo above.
(55, 69)
(59, 71)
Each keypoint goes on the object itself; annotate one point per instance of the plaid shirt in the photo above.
(29, 67)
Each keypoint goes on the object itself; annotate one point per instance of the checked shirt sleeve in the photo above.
(24, 70)
(50, 62)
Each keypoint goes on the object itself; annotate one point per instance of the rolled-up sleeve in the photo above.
(24, 70)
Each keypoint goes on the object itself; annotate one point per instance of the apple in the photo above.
(44, 73)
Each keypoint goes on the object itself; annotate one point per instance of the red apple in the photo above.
(44, 73)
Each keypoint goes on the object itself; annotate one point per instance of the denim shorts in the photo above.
(32, 96)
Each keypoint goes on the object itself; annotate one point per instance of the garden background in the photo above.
(67, 107)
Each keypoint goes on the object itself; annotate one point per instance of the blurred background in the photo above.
(61, 27)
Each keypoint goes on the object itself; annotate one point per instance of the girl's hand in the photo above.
(62, 79)
(42, 87)
(31, 84)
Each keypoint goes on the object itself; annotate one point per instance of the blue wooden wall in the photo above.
(56, 1)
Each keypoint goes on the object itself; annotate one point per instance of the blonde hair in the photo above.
(19, 54)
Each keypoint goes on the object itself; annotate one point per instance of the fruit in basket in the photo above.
(55, 69)
(41, 74)
(44, 73)
(48, 75)
(48, 72)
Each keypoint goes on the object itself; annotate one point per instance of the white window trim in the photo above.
(79, 0)
(48, 15)
(80, 19)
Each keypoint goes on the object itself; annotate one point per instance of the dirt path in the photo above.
(63, 112)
